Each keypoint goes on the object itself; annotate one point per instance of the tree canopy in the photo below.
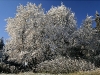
(45, 38)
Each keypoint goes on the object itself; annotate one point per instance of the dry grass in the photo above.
(94, 72)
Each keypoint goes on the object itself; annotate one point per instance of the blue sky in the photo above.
(81, 9)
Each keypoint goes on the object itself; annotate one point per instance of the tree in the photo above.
(36, 36)
(81, 39)
(43, 38)
(24, 30)
(97, 20)
(32, 30)
(61, 23)
(1, 43)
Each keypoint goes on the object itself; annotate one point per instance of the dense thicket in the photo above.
(51, 41)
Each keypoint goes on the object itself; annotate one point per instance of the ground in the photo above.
(94, 72)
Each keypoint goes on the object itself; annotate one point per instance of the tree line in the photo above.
(51, 42)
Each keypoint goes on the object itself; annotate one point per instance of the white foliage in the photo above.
(65, 65)
(84, 33)
(60, 24)
(43, 36)
(32, 30)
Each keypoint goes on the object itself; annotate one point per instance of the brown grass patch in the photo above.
(94, 72)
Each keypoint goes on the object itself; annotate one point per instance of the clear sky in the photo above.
(80, 7)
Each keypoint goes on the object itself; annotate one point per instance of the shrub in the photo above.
(64, 65)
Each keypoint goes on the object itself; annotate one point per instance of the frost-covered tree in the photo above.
(24, 30)
(60, 24)
(31, 30)
(49, 39)
(81, 39)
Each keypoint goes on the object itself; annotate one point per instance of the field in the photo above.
(95, 72)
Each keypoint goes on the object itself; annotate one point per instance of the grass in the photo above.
(94, 72)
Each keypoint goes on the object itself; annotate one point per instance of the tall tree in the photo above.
(24, 29)
(37, 34)
(81, 39)
(60, 24)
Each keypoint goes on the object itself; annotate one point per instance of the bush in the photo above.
(64, 65)
(96, 60)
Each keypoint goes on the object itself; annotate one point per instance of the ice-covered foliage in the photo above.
(25, 26)
(60, 25)
(32, 30)
(81, 39)
(65, 65)
(83, 34)
(24, 29)
(39, 38)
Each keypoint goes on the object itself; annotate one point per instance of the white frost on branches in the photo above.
(31, 30)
